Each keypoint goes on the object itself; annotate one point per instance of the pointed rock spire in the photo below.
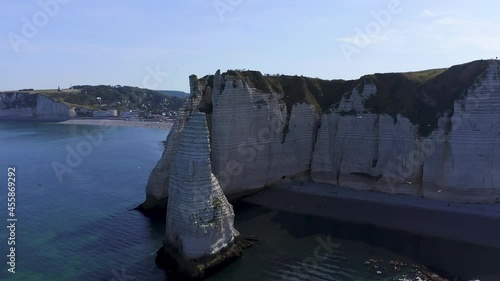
(199, 229)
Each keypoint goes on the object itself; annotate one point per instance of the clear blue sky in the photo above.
(116, 41)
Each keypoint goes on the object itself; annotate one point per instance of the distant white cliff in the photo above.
(33, 107)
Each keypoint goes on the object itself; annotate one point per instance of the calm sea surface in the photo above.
(76, 222)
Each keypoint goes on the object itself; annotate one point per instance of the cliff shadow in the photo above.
(446, 257)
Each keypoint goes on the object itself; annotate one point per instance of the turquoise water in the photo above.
(80, 226)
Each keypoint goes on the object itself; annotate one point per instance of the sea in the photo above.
(76, 188)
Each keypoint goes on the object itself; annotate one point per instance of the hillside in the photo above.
(112, 97)
(170, 93)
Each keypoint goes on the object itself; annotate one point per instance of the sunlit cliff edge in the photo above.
(430, 133)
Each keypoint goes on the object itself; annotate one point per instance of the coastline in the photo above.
(470, 223)
(119, 123)
(100, 122)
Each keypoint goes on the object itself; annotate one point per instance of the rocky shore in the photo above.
(178, 267)
(119, 123)
(96, 122)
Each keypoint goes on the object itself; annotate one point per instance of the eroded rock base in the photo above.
(179, 268)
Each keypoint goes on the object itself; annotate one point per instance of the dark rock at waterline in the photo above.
(181, 269)
(423, 273)
(153, 205)
(252, 238)
(247, 242)
(158, 212)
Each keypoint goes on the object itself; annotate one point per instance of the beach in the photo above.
(119, 122)
(470, 223)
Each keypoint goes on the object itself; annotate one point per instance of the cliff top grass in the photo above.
(421, 96)
(425, 95)
(296, 89)
(424, 75)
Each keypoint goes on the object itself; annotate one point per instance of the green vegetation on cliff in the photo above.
(113, 97)
(423, 96)
(296, 89)
(420, 96)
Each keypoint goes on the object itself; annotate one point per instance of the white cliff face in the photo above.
(364, 150)
(199, 217)
(249, 147)
(26, 106)
(355, 101)
(293, 157)
(367, 151)
(458, 162)
(47, 109)
(465, 165)
(256, 142)
(157, 187)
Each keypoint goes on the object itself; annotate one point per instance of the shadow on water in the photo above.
(444, 256)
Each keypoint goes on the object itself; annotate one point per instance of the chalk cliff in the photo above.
(429, 133)
(456, 162)
(32, 106)
(255, 141)
(362, 150)
(465, 163)
(158, 183)
(199, 229)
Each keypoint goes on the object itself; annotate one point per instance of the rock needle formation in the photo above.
(157, 187)
(200, 237)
